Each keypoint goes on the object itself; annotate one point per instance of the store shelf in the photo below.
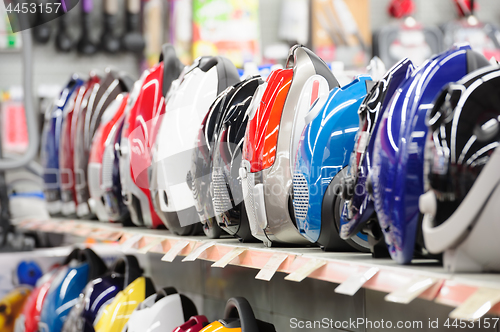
(425, 279)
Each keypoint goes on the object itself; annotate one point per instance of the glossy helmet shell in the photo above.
(139, 135)
(461, 168)
(166, 309)
(99, 292)
(113, 114)
(127, 184)
(11, 307)
(50, 145)
(239, 317)
(28, 320)
(30, 317)
(398, 153)
(358, 208)
(66, 288)
(100, 97)
(66, 152)
(322, 153)
(274, 127)
(115, 315)
(229, 206)
(203, 153)
(187, 105)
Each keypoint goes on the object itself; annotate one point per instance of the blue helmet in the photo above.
(28, 273)
(113, 198)
(66, 288)
(50, 144)
(99, 292)
(358, 210)
(397, 173)
(322, 153)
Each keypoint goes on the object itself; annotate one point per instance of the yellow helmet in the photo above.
(115, 315)
(239, 317)
(11, 307)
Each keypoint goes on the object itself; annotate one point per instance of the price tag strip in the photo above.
(68, 227)
(35, 224)
(198, 251)
(48, 226)
(175, 250)
(272, 265)
(227, 258)
(356, 281)
(477, 305)
(148, 247)
(411, 290)
(305, 270)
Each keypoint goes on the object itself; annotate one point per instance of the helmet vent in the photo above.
(107, 169)
(221, 199)
(300, 196)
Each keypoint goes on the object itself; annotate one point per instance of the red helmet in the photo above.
(139, 135)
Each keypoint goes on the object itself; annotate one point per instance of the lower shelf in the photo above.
(473, 295)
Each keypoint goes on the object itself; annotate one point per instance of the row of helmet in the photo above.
(296, 159)
(83, 295)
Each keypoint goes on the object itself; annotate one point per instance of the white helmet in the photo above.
(187, 104)
(462, 162)
(163, 311)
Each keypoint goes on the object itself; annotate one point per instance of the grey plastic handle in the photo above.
(29, 109)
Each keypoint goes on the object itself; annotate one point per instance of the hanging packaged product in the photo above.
(467, 28)
(406, 37)
(227, 28)
(341, 31)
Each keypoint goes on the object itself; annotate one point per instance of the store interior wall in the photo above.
(51, 67)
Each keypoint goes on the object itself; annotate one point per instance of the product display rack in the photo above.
(472, 295)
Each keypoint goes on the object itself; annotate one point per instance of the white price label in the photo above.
(175, 250)
(227, 258)
(271, 266)
(355, 282)
(198, 251)
(477, 305)
(411, 290)
(131, 242)
(305, 270)
(148, 247)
